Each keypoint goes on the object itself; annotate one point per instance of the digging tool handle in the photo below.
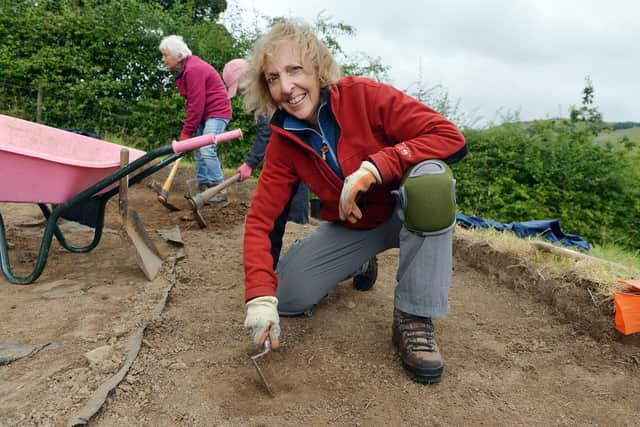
(204, 140)
(207, 194)
(124, 184)
(172, 174)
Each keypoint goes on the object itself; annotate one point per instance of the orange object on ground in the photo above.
(633, 283)
(627, 306)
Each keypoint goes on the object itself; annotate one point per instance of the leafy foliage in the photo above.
(97, 65)
(551, 170)
(205, 10)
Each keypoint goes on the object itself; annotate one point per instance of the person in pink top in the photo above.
(207, 104)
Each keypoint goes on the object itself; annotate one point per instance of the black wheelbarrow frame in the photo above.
(91, 203)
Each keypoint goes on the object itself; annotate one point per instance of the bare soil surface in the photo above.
(520, 347)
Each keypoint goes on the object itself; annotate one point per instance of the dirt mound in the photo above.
(518, 348)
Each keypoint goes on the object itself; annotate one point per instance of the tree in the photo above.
(206, 10)
(588, 114)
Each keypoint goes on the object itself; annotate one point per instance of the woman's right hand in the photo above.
(245, 171)
(263, 321)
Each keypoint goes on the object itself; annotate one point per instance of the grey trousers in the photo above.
(315, 265)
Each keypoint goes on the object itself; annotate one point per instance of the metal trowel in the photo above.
(254, 358)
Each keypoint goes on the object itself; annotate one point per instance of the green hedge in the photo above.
(550, 170)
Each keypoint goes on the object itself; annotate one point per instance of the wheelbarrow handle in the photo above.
(203, 140)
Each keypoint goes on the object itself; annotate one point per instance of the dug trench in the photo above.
(522, 346)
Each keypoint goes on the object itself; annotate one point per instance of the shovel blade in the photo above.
(147, 255)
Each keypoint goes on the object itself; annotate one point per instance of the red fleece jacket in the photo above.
(377, 123)
(205, 94)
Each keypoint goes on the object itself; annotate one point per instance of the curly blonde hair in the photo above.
(257, 97)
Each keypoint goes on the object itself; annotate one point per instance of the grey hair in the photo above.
(175, 46)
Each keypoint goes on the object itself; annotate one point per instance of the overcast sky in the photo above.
(494, 56)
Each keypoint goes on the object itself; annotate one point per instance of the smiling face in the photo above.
(170, 61)
(294, 86)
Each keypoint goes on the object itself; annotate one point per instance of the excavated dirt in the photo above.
(519, 348)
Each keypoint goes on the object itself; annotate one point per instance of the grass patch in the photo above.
(617, 254)
(614, 136)
(603, 267)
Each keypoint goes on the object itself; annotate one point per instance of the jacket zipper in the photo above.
(319, 162)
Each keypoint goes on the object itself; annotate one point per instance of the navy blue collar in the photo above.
(325, 141)
(294, 124)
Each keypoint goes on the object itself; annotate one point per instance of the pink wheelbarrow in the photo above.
(72, 176)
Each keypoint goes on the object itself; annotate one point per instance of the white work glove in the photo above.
(358, 182)
(263, 320)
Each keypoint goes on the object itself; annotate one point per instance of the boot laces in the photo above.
(418, 333)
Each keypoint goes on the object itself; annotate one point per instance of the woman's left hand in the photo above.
(245, 171)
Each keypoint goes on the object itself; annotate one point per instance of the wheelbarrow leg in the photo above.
(42, 254)
(99, 224)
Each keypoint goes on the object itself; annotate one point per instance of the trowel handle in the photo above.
(203, 140)
(266, 349)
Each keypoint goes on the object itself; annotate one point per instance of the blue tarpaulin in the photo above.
(547, 229)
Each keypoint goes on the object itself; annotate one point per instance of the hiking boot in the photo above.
(414, 338)
(192, 187)
(220, 197)
(365, 281)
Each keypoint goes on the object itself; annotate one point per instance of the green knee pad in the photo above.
(428, 197)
